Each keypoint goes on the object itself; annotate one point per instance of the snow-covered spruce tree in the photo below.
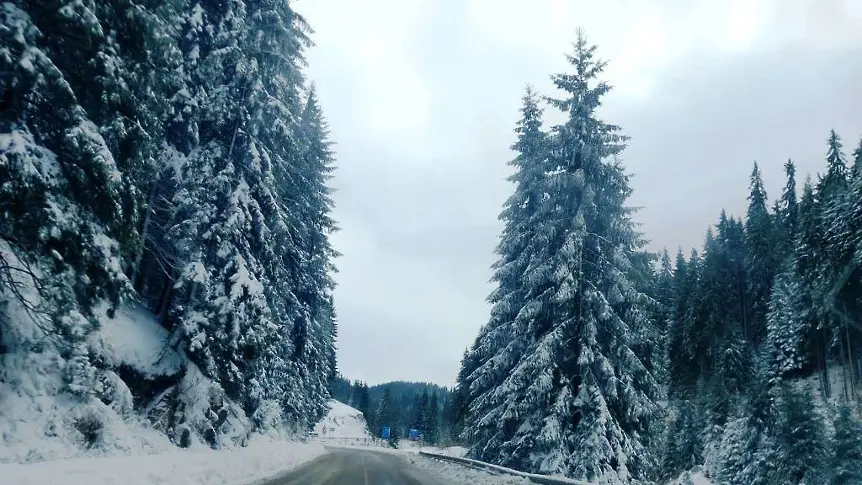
(801, 445)
(846, 465)
(503, 340)
(61, 197)
(759, 259)
(250, 230)
(579, 401)
(788, 324)
(787, 214)
(683, 448)
(843, 262)
(746, 449)
(679, 341)
(808, 254)
(432, 421)
(829, 193)
(791, 315)
(311, 201)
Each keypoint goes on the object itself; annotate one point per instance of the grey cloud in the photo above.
(695, 140)
(419, 218)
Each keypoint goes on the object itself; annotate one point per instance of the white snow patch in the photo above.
(38, 422)
(455, 474)
(261, 459)
(695, 477)
(134, 338)
(342, 421)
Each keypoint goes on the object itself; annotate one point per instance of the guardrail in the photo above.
(481, 465)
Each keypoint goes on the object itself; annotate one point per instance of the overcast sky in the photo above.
(422, 97)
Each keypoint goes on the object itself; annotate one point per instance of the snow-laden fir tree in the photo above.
(788, 324)
(801, 442)
(309, 200)
(846, 454)
(432, 421)
(251, 213)
(759, 259)
(503, 340)
(679, 340)
(787, 214)
(579, 401)
(62, 191)
(746, 449)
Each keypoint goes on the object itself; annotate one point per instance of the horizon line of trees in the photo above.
(401, 406)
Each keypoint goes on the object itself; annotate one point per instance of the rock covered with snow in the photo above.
(342, 421)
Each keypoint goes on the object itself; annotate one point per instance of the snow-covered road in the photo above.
(343, 466)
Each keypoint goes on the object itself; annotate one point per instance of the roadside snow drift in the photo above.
(342, 421)
(261, 459)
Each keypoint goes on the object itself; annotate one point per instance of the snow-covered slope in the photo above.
(142, 387)
(39, 420)
(134, 338)
(342, 421)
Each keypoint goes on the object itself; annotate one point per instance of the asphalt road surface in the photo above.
(355, 467)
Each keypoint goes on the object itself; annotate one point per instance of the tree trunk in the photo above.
(136, 269)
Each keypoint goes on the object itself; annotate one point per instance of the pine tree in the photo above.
(801, 447)
(683, 447)
(808, 254)
(501, 344)
(62, 195)
(682, 368)
(387, 412)
(747, 447)
(580, 279)
(432, 421)
(787, 213)
(760, 259)
(846, 466)
(788, 325)
(420, 411)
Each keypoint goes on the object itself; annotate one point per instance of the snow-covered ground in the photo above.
(691, 478)
(453, 474)
(342, 421)
(263, 458)
(134, 338)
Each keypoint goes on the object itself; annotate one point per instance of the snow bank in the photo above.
(342, 421)
(417, 446)
(691, 478)
(134, 338)
(37, 422)
(261, 459)
(454, 474)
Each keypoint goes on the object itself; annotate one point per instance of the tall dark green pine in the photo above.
(843, 261)
(679, 340)
(579, 401)
(81, 120)
(787, 213)
(846, 462)
(760, 241)
(432, 421)
(790, 314)
(801, 446)
(501, 343)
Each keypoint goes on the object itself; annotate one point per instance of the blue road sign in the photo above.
(385, 433)
(413, 434)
